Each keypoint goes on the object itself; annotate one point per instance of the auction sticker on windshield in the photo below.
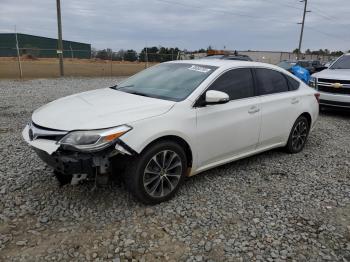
(199, 69)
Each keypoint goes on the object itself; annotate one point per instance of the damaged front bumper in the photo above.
(74, 164)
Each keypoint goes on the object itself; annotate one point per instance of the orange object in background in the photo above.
(218, 52)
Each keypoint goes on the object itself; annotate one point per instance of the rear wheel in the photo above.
(157, 173)
(298, 135)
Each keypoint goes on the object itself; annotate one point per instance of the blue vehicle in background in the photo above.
(301, 73)
(297, 70)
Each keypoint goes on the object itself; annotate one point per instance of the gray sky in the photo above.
(194, 24)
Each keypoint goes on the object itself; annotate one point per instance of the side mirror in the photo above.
(216, 97)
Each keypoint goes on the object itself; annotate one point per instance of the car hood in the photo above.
(101, 108)
(338, 74)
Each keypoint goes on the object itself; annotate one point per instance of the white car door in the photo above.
(226, 130)
(278, 106)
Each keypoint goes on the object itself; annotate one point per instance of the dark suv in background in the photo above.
(312, 66)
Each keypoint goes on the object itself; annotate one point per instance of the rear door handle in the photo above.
(295, 100)
(253, 110)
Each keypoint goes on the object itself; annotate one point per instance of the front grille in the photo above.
(327, 86)
(39, 132)
(344, 82)
(329, 89)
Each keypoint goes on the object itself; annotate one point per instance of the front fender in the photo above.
(146, 131)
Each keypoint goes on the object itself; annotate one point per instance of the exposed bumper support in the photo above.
(73, 163)
(48, 146)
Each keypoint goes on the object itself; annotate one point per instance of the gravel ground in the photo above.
(270, 207)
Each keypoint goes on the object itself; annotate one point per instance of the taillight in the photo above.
(317, 96)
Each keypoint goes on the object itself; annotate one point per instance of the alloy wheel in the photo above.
(162, 173)
(299, 135)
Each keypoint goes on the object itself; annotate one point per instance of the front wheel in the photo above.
(157, 173)
(298, 135)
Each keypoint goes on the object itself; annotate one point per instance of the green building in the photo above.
(39, 46)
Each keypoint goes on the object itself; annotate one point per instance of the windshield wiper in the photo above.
(116, 87)
(130, 92)
(121, 87)
(138, 93)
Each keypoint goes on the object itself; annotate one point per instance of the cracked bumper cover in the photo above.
(72, 162)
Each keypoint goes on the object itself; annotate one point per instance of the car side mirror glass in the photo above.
(216, 97)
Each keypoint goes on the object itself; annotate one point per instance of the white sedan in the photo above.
(173, 120)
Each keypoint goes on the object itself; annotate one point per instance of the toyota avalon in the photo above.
(173, 120)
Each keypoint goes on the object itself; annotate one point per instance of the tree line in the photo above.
(163, 54)
(154, 54)
(321, 52)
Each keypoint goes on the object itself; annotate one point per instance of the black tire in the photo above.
(298, 135)
(135, 174)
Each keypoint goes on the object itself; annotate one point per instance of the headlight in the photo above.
(312, 82)
(93, 140)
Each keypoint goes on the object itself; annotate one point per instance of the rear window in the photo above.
(292, 83)
(270, 81)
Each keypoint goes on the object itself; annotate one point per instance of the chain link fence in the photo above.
(30, 62)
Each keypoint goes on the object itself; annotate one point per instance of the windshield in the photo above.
(169, 81)
(342, 63)
(286, 64)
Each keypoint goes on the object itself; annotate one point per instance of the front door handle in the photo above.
(295, 100)
(253, 110)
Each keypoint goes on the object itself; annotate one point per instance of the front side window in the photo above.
(237, 83)
(342, 63)
(270, 81)
(169, 81)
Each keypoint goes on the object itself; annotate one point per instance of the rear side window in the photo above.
(237, 83)
(292, 83)
(270, 81)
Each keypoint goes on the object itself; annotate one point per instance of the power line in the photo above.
(327, 34)
(319, 12)
(247, 15)
(219, 11)
(284, 4)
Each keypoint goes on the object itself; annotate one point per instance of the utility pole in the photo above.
(146, 58)
(302, 27)
(18, 56)
(60, 44)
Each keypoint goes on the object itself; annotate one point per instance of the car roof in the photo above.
(228, 55)
(224, 63)
(228, 64)
(210, 62)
